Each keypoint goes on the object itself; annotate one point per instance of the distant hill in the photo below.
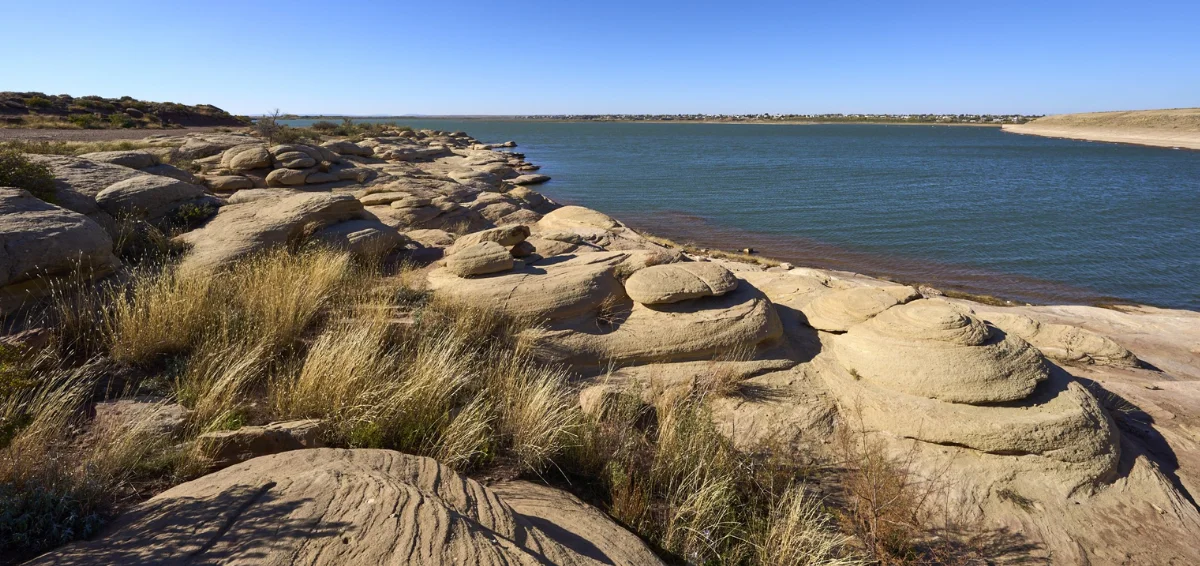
(1175, 127)
(39, 110)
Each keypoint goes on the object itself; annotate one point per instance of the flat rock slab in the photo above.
(330, 506)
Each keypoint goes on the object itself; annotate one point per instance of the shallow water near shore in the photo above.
(972, 209)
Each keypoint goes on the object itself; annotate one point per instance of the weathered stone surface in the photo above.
(840, 310)
(77, 181)
(592, 227)
(479, 259)
(697, 329)
(173, 172)
(675, 282)
(246, 157)
(132, 159)
(228, 183)
(319, 177)
(530, 179)
(368, 237)
(375, 199)
(274, 220)
(287, 177)
(507, 236)
(152, 195)
(40, 242)
(564, 289)
(347, 148)
(295, 160)
(931, 348)
(1064, 342)
(431, 238)
(329, 506)
(228, 447)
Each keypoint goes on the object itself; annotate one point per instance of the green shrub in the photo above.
(16, 170)
(84, 120)
(35, 518)
(38, 102)
(122, 120)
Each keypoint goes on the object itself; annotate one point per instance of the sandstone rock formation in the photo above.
(40, 242)
(480, 259)
(327, 506)
(675, 282)
(931, 348)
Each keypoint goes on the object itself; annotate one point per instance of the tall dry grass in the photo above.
(316, 334)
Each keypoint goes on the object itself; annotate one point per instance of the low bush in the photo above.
(38, 103)
(18, 171)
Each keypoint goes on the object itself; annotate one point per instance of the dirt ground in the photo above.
(92, 135)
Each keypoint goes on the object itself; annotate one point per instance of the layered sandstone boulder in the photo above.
(151, 196)
(576, 286)
(840, 310)
(479, 259)
(275, 219)
(328, 506)
(40, 242)
(675, 282)
(1066, 343)
(934, 349)
(702, 328)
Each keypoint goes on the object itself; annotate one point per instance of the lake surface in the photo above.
(974, 209)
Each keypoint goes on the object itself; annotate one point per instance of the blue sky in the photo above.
(491, 57)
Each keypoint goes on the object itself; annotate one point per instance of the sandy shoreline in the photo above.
(1132, 136)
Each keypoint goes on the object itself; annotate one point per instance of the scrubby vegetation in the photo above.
(18, 171)
(319, 334)
(268, 127)
(38, 110)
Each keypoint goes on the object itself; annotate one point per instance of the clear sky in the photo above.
(567, 56)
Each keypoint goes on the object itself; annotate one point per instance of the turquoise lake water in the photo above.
(974, 209)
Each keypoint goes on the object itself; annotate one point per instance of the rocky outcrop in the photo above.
(224, 448)
(840, 310)
(327, 506)
(934, 349)
(150, 196)
(131, 159)
(40, 242)
(675, 282)
(479, 259)
(275, 220)
(1066, 343)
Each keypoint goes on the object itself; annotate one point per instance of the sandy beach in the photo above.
(1175, 128)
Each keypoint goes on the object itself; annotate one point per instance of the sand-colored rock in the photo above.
(568, 287)
(228, 183)
(1065, 343)
(840, 310)
(77, 181)
(242, 229)
(150, 195)
(131, 159)
(479, 259)
(592, 227)
(246, 157)
(507, 236)
(690, 330)
(675, 282)
(41, 242)
(227, 447)
(934, 349)
(366, 237)
(347, 148)
(530, 179)
(328, 506)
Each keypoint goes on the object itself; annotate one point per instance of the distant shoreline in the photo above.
(569, 121)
